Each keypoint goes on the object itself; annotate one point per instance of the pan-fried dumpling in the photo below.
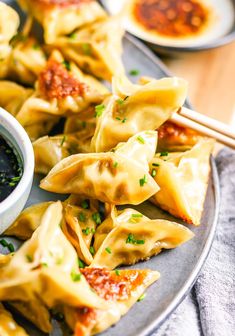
(25, 61)
(175, 138)
(46, 267)
(121, 290)
(183, 179)
(62, 17)
(118, 177)
(96, 48)
(49, 151)
(28, 221)
(135, 109)
(58, 93)
(8, 326)
(12, 96)
(128, 237)
(9, 23)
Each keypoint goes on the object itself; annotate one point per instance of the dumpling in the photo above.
(8, 326)
(62, 17)
(183, 179)
(28, 221)
(118, 177)
(135, 108)
(9, 23)
(26, 61)
(121, 289)
(128, 237)
(175, 138)
(96, 48)
(58, 93)
(49, 151)
(12, 96)
(46, 267)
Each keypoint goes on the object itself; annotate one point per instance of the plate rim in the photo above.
(160, 319)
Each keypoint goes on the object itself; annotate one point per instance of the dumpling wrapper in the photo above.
(46, 267)
(26, 60)
(9, 23)
(128, 237)
(62, 17)
(121, 290)
(118, 177)
(136, 108)
(49, 151)
(8, 326)
(60, 91)
(183, 180)
(96, 48)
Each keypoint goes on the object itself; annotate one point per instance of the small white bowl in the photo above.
(15, 202)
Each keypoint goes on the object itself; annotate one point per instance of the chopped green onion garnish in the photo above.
(93, 230)
(85, 204)
(36, 46)
(154, 173)
(44, 264)
(131, 240)
(72, 36)
(62, 141)
(108, 250)
(120, 101)
(67, 65)
(11, 247)
(141, 298)
(136, 215)
(124, 120)
(92, 250)
(29, 258)
(156, 164)
(164, 153)
(81, 264)
(86, 48)
(3, 242)
(99, 109)
(75, 276)
(117, 272)
(82, 217)
(140, 139)
(86, 231)
(118, 118)
(143, 181)
(115, 164)
(134, 72)
(96, 218)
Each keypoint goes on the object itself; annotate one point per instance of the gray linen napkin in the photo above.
(209, 309)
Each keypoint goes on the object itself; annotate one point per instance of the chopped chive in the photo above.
(82, 217)
(120, 101)
(85, 204)
(131, 240)
(72, 35)
(140, 139)
(156, 164)
(108, 250)
(136, 215)
(99, 109)
(75, 276)
(142, 297)
(115, 164)
(62, 141)
(3, 242)
(16, 178)
(134, 72)
(124, 120)
(154, 173)
(11, 247)
(164, 153)
(86, 48)
(118, 118)
(117, 272)
(143, 181)
(92, 250)
(96, 218)
(12, 184)
(44, 264)
(36, 46)
(81, 264)
(86, 231)
(67, 65)
(29, 258)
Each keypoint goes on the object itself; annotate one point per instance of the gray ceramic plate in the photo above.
(179, 268)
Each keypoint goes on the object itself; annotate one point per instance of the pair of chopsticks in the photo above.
(205, 125)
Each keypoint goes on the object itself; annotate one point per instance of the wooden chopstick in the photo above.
(208, 122)
(222, 138)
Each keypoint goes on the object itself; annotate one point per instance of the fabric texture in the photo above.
(209, 309)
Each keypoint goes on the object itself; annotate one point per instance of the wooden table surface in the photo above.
(211, 76)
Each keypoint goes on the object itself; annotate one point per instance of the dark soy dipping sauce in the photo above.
(10, 169)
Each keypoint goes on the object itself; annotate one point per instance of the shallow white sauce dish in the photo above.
(12, 131)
